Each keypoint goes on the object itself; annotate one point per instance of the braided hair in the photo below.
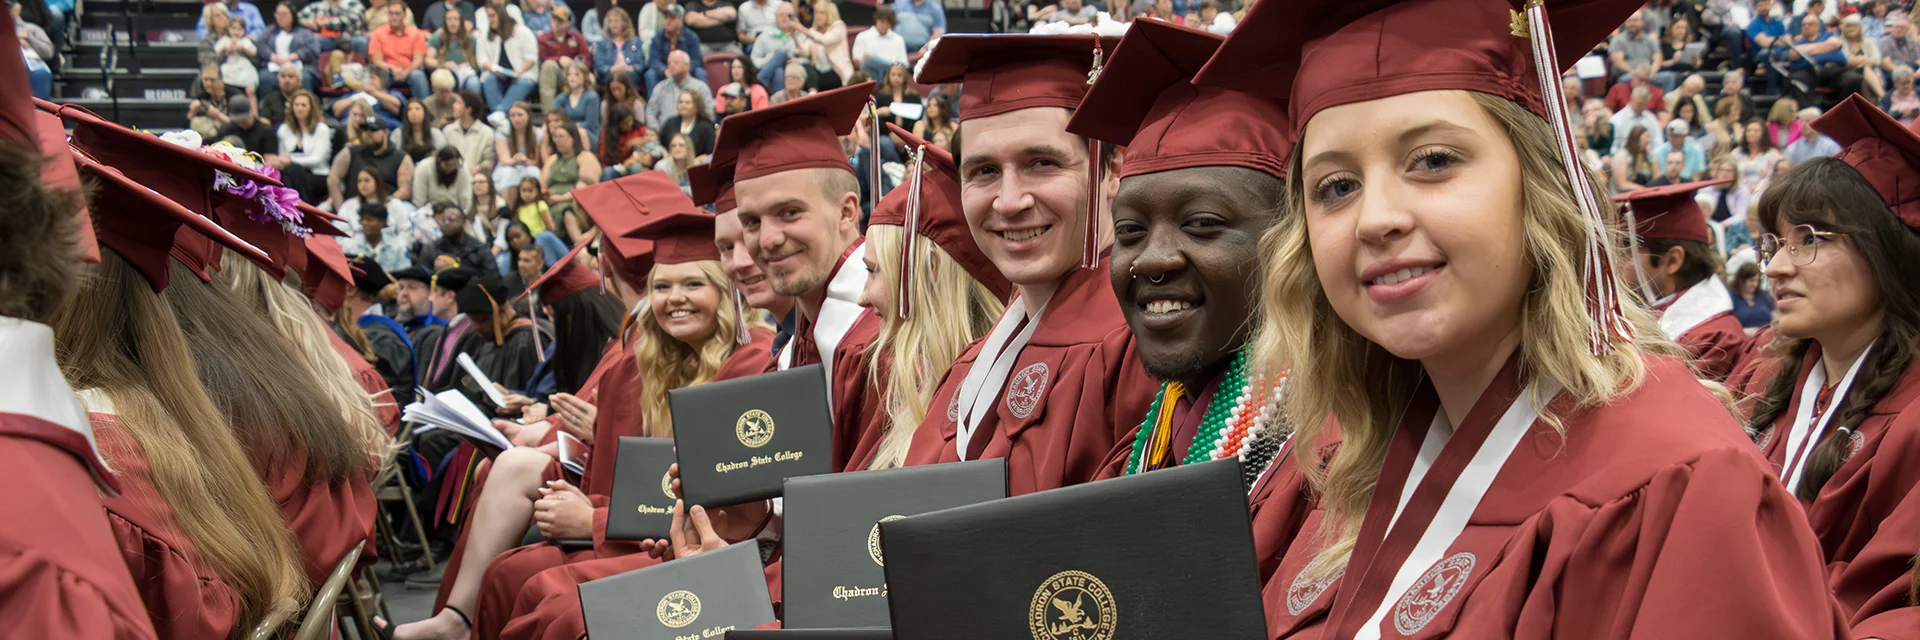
(1831, 196)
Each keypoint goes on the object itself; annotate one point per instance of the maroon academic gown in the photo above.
(1867, 516)
(548, 606)
(384, 408)
(1073, 391)
(185, 599)
(61, 573)
(614, 389)
(1652, 518)
(328, 520)
(1701, 320)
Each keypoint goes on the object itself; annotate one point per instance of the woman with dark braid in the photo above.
(1841, 245)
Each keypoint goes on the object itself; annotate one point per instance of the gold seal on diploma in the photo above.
(666, 486)
(1072, 605)
(873, 541)
(755, 428)
(678, 609)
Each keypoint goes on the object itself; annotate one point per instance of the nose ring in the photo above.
(1153, 279)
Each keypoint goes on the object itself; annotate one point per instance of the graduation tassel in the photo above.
(910, 238)
(499, 332)
(742, 336)
(533, 309)
(873, 154)
(1096, 177)
(1603, 296)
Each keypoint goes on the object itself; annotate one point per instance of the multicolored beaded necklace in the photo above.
(1239, 422)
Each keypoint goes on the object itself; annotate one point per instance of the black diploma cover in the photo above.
(833, 575)
(739, 440)
(703, 596)
(642, 503)
(1165, 554)
(811, 634)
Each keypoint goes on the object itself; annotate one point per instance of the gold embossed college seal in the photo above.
(666, 485)
(1072, 605)
(873, 541)
(754, 428)
(678, 609)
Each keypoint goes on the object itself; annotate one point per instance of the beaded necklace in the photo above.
(1237, 423)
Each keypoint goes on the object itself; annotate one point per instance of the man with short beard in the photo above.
(1057, 381)
(432, 318)
(443, 179)
(456, 248)
(1202, 180)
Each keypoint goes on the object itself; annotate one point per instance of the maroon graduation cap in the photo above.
(800, 134)
(713, 185)
(142, 225)
(1009, 72)
(928, 205)
(563, 279)
(324, 274)
(1669, 212)
(618, 207)
(1885, 153)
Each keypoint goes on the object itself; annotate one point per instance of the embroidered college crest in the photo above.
(1072, 605)
(953, 409)
(1023, 393)
(1431, 593)
(1304, 592)
(1856, 441)
(1766, 437)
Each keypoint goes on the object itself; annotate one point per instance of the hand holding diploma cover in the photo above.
(1167, 554)
(834, 575)
(739, 440)
(454, 412)
(642, 504)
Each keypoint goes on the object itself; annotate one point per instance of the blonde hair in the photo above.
(666, 363)
(1336, 372)
(826, 10)
(117, 337)
(289, 312)
(952, 310)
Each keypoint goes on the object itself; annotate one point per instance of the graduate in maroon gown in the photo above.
(208, 551)
(1840, 421)
(1201, 180)
(1057, 381)
(1521, 456)
(1679, 271)
(60, 575)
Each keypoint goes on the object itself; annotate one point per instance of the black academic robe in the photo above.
(426, 352)
(394, 353)
(510, 362)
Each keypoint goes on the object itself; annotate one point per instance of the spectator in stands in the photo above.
(1691, 91)
(288, 44)
(366, 88)
(1162, 10)
(1825, 66)
(306, 142)
(824, 47)
(772, 51)
(1783, 124)
(527, 252)
(1693, 159)
(561, 48)
(442, 179)
(1764, 34)
(1634, 166)
(876, 49)
(453, 48)
(1814, 8)
(468, 134)
(1213, 20)
(570, 164)
(579, 101)
(1595, 125)
(745, 82)
(207, 113)
(1863, 56)
(398, 52)
(33, 39)
(532, 212)
(896, 87)
(1726, 127)
(664, 99)
(624, 146)
(537, 15)
(246, 12)
(273, 107)
(373, 239)
(489, 211)
(673, 36)
(445, 93)
(622, 91)
(795, 87)
(1730, 201)
(1812, 144)
(377, 14)
(437, 13)
(1622, 93)
(370, 189)
(456, 246)
(374, 151)
(1751, 305)
(1902, 103)
(519, 150)
(507, 64)
(216, 16)
(244, 128)
(920, 21)
(334, 20)
(1733, 84)
(1897, 48)
(418, 137)
(939, 118)
(691, 120)
(236, 53)
(622, 53)
(1681, 53)
(756, 17)
(1635, 114)
(648, 20)
(1672, 166)
(1755, 156)
(716, 23)
(1070, 12)
(679, 158)
(483, 17)
(348, 133)
(1633, 47)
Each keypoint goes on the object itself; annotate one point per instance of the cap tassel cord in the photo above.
(533, 309)
(499, 333)
(744, 335)
(1096, 177)
(910, 240)
(1603, 297)
(873, 154)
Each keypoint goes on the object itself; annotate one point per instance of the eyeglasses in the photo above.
(1802, 245)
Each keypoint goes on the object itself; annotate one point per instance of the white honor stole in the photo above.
(1003, 347)
(1804, 432)
(838, 311)
(31, 385)
(1698, 303)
